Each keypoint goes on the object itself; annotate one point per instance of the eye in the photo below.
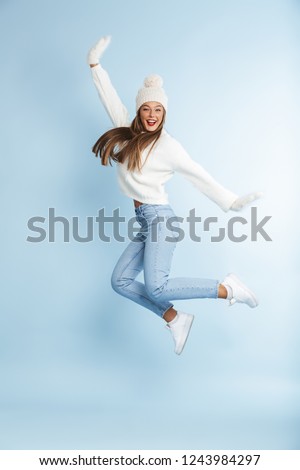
(158, 110)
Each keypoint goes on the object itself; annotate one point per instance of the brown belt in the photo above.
(137, 203)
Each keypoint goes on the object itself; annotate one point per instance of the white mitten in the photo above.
(96, 52)
(243, 201)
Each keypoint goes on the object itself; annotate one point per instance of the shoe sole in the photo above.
(249, 292)
(188, 326)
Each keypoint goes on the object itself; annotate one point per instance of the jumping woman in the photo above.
(146, 157)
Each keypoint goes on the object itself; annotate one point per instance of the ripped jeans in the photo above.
(152, 250)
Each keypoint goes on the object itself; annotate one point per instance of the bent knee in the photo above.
(119, 283)
(115, 281)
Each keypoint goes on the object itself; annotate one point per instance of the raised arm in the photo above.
(226, 199)
(107, 93)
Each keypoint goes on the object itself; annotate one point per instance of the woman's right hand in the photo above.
(97, 50)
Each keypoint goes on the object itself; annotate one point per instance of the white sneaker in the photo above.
(180, 328)
(240, 293)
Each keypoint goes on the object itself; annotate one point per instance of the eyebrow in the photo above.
(157, 106)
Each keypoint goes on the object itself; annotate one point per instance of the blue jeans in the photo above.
(152, 250)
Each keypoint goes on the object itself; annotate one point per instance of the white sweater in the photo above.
(166, 157)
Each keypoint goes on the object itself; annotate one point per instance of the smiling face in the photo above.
(151, 114)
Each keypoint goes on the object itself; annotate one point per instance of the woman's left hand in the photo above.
(243, 201)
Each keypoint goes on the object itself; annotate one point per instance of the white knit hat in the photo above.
(152, 91)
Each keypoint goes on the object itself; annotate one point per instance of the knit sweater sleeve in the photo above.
(109, 97)
(201, 179)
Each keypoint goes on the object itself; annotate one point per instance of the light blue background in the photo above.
(80, 366)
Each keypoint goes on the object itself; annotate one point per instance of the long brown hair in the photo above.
(127, 143)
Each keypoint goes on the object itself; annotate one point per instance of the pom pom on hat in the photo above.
(153, 81)
(152, 91)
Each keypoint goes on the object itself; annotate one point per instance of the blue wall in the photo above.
(80, 366)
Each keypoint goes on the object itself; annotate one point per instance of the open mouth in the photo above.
(151, 122)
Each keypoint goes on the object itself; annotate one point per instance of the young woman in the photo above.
(146, 157)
